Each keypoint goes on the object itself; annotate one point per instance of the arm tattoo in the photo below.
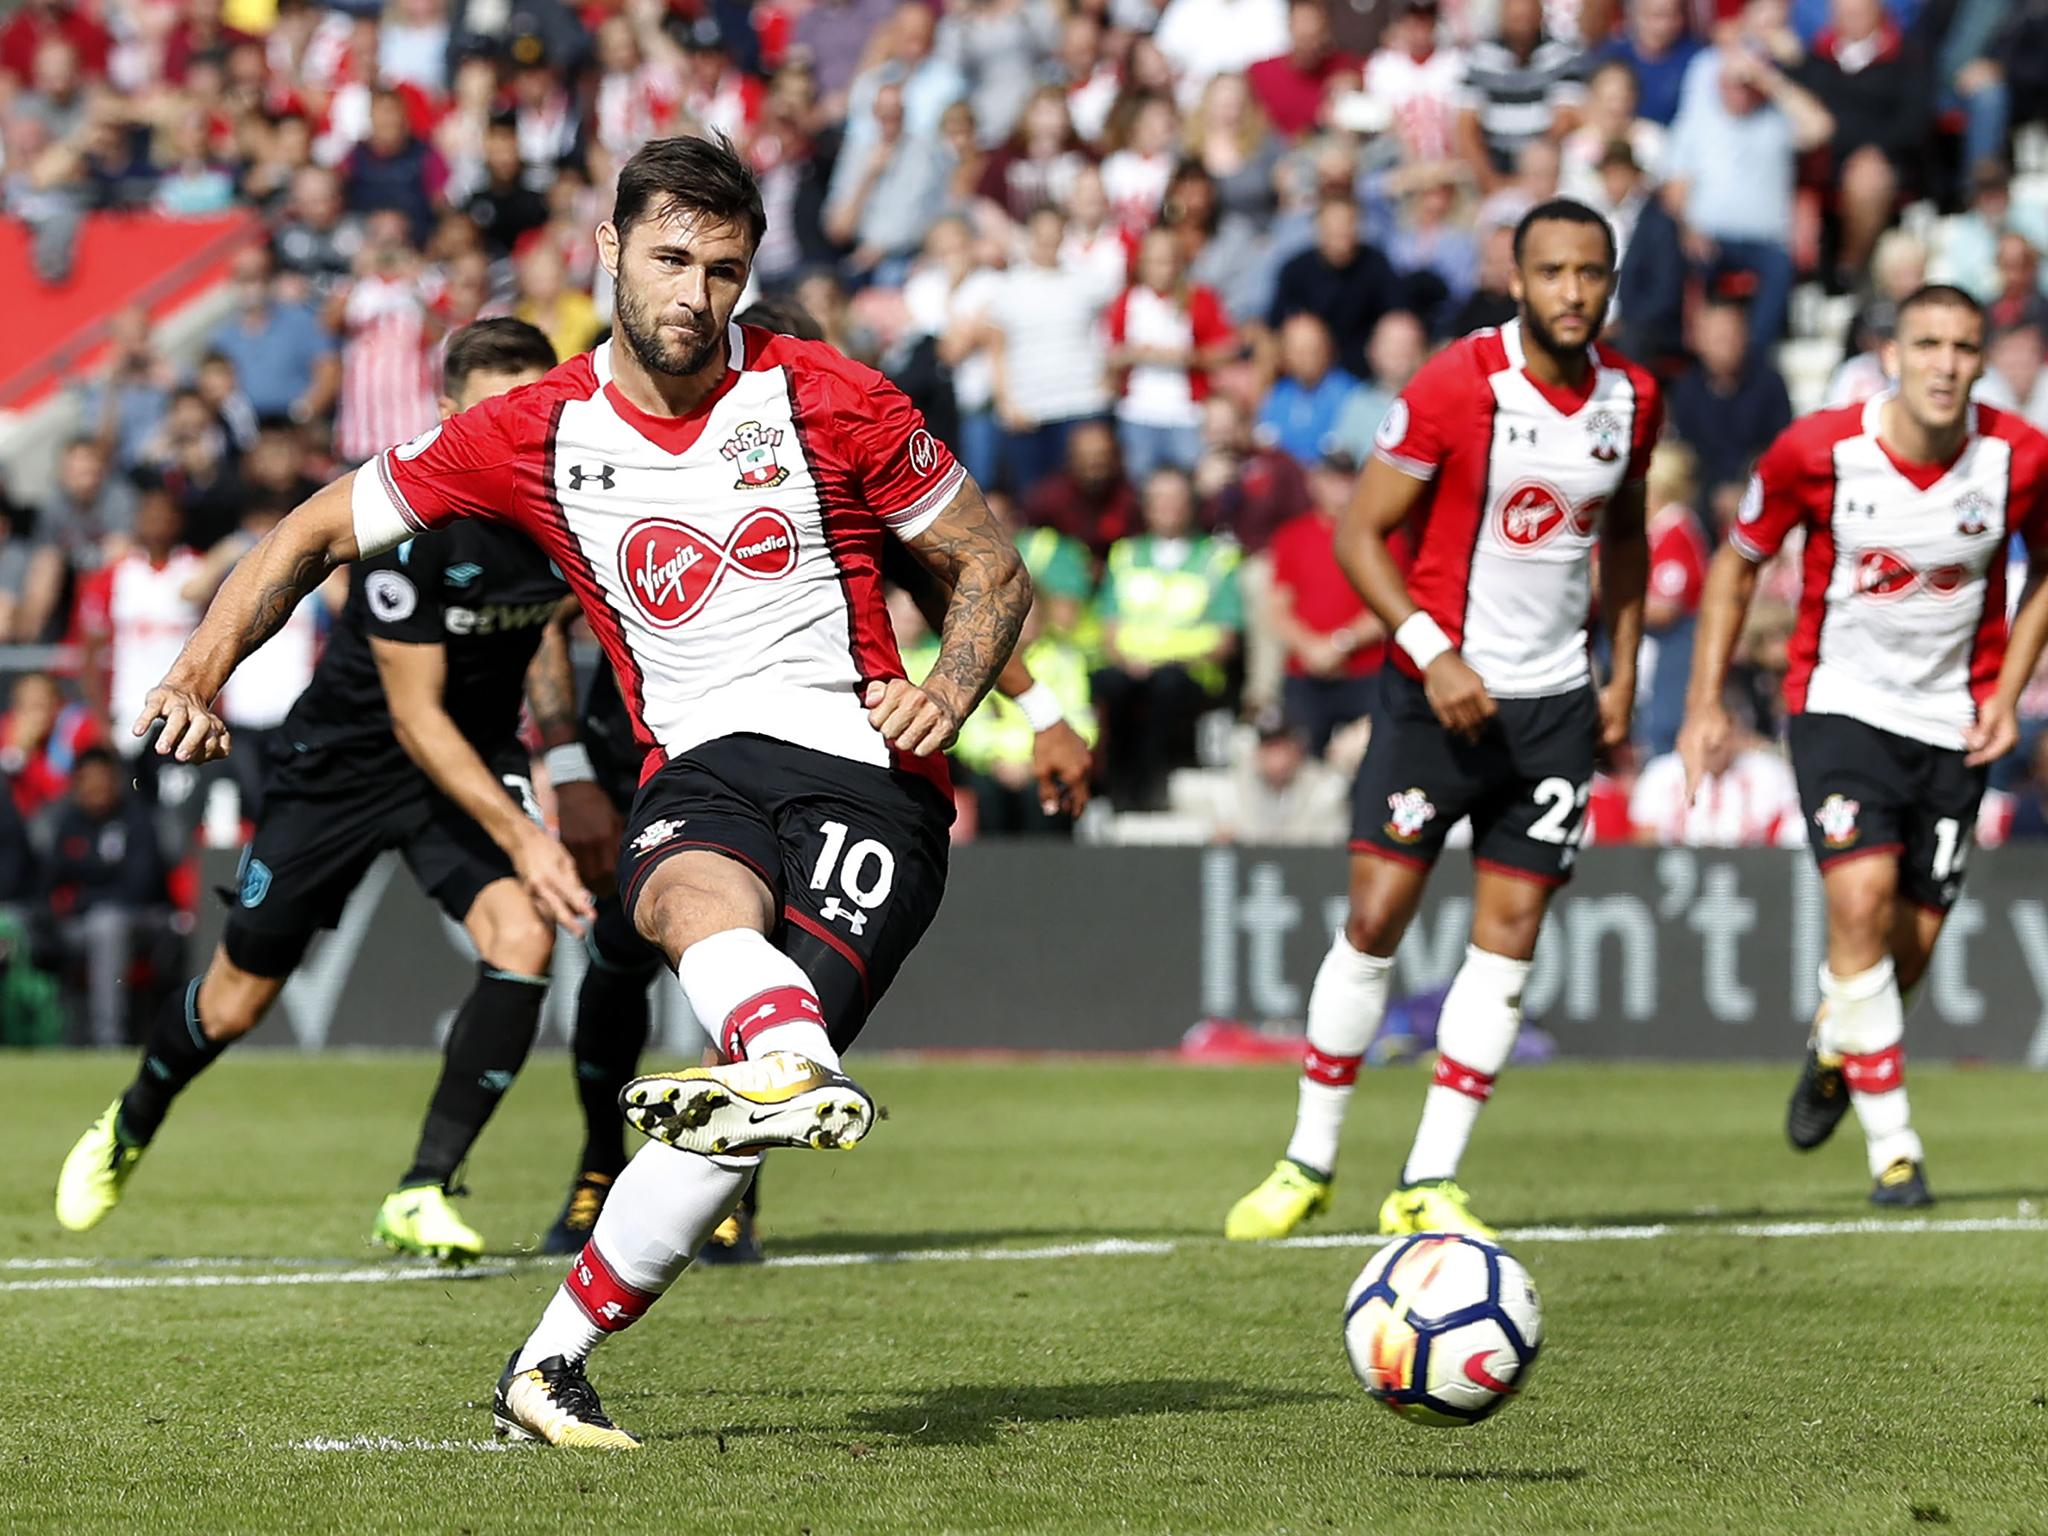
(276, 599)
(988, 594)
(551, 688)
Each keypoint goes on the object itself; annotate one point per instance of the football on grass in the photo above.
(1443, 1329)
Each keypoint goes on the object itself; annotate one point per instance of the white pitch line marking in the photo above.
(1111, 1247)
(388, 1443)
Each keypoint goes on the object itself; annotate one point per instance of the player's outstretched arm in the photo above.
(1381, 503)
(1997, 728)
(1060, 759)
(590, 824)
(1624, 583)
(988, 592)
(1724, 604)
(251, 606)
(415, 678)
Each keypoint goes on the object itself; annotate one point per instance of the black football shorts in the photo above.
(1524, 782)
(854, 855)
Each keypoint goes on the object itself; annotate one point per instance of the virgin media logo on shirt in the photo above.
(1533, 512)
(1886, 575)
(672, 569)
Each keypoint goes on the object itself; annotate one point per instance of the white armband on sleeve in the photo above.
(1422, 638)
(569, 764)
(1041, 707)
(381, 523)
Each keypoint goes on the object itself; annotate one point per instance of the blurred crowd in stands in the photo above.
(1156, 271)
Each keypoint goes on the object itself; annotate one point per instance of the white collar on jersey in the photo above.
(1511, 341)
(736, 346)
(1872, 420)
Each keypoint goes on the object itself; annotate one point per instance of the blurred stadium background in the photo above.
(1155, 272)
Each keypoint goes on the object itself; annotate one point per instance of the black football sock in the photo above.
(493, 1031)
(612, 1020)
(175, 1052)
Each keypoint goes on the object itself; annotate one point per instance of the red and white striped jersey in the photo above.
(1755, 804)
(1902, 619)
(1519, 474)
(139, 609)
(387, 392)
(729, 561)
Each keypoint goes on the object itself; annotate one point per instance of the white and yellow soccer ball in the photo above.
(1443, 1329)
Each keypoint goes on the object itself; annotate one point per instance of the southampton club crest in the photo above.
(657, 832)
(1836, 819)
(1973, 513)
(1604, 436)
(1411, 812)
(752, 451)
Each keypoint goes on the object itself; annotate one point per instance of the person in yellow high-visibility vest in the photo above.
(1172, 617)
(996, 745)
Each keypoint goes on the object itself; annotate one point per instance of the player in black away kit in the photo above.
(594, 763)
(406, 738)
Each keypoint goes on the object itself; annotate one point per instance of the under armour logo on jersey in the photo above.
(602, 475)
(834, 909)
(1522, 435)
(1857, 508)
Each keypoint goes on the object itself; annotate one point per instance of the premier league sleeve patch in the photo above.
(392, 597)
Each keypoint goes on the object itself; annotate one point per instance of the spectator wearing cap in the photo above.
(1204, 38)
(1276, 793)
(1520, 87)
(545, 114)
(1657, 49)
(1400, 346)
(1291, 86)
(1334, 645)
(2014, 378)
(1088, 498)
(1729, 175)
(1302, 409)
(1171, 617)
(1165, 335)
(1419, 82)
(716, 92)
(885, 193)
(1341, 280)
(1731, 403)
(285, 362)
(393, 169)
(1051, 367)
(1612, 116)
(506, 208)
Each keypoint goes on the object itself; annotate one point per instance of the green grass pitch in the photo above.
(1733, 1371)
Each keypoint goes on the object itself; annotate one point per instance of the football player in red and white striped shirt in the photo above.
(1903, 686)
(1506, 456)
(717, 497)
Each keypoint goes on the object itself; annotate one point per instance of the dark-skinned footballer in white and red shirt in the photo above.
(1509, 457)
(718, 498)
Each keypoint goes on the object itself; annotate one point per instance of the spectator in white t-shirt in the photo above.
(1051, 367)
(1204, 38)
(948, 296)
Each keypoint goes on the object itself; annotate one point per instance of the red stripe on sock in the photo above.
(1459, 1078)
(605, 1299)
(1331, 1071)
(1878, 1072)
(765, 1010)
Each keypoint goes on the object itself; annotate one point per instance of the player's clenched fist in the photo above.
(1458, 696)
(910, 719)
(192, 733)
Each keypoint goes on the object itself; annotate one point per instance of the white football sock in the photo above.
(1866, 1025)
(658, 1214)
(1345, 1006)
(753, 998)
(1482, 1013)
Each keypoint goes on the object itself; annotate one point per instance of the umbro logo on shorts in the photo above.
(602, 476)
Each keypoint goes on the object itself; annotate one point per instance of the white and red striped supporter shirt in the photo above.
(1902, 620)
(139, 609)
(729, 561)
(387, 388)
(1520, 473)
(1755, 804)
